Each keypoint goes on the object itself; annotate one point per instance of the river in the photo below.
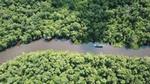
(66, 45)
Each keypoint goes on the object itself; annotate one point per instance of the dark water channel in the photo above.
(64, 45)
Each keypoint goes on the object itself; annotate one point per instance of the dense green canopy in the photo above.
(50, 67)
(118, 22)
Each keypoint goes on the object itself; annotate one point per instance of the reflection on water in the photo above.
(68, 46)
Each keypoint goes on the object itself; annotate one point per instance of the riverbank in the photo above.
(52, 67)
(117, 22)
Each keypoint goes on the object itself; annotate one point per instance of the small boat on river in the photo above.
(97, 45)
(47, 38)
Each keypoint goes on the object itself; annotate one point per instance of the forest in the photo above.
(51, 67)
(117, 22)
(120, 23)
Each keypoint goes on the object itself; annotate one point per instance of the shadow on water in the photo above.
(66, 45)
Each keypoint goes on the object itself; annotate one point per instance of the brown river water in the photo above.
(66, 45)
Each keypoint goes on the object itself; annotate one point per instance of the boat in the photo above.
(97, 45)
(47, 38)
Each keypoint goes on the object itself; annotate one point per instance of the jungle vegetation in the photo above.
(117, 22)
(51, 67)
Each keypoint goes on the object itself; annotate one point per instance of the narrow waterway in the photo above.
(66, 45)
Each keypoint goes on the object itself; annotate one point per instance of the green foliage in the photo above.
(50, 67)
(118, 22)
